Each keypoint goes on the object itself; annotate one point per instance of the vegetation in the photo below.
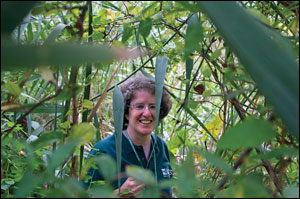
(232, 72)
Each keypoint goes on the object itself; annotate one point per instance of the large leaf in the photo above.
(46, 139)
(264, 53)
(140, 174)
(160, 72)
(83, 132)
(61, 54)
(29, 56)
(118, 112)
(27, 184)
(61, 154)
(145, 27)
(249, 133)
(43, 108)
(107, 166)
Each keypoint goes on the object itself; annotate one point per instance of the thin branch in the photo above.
(103, 94)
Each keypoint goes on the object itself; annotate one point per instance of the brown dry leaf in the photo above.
(199, 88)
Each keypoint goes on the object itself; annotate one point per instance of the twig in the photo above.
(103, 94)
(235, 166)
(273, 176)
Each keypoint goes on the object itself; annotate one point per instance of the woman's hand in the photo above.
(131, 188)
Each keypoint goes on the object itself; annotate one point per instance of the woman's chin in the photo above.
(146, 131)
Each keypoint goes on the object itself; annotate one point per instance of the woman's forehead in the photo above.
(143, 94)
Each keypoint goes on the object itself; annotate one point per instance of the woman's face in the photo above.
(141, 122)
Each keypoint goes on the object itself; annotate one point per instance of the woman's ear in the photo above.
(126, 116)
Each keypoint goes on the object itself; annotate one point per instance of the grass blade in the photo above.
(55, 32)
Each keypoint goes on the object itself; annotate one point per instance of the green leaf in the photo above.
(43, 108)
(12, 88)
(87, 104)
(97, 36)
(280, 152)
(249, 133)
(186, 178)
(189, 6)
(85, 132)
(61, 154)
(249, 186)
(215, 54)
(46, 139)
(206, 72)
(160, 72)
(142, 175)
(207, 93)
(55, 32)
(150, 192)
(145, 27)
(266, 55)
(189, 67)
(291, 191)
(127, 33)
(60, 54)
(256, 13)
(27, 184)
(107, 166)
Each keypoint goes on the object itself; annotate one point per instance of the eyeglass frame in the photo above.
(144, 106)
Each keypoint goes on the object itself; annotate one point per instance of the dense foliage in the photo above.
(232, 72)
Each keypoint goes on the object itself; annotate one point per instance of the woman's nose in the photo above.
(147, 111)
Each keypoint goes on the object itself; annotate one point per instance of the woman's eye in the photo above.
(152, 107)
(140, 107)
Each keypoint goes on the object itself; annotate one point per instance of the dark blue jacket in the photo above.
(108, 146)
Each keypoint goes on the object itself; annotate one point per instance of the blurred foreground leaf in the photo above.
(142, 176)
(249, 133)
(43, 108)
(61, 54)
(84, 131)
(107, 166)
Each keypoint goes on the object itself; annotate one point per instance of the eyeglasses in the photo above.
(138, 106)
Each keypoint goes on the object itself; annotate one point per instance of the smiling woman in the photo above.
(138, 142)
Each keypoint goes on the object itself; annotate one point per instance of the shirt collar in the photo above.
(126, 145)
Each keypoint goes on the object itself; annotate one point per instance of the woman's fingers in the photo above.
(138, 188)
(131, 185)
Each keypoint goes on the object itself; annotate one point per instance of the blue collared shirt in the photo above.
(108, 146)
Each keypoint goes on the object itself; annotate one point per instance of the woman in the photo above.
(138, 138)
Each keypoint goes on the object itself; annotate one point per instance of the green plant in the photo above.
(233, 130)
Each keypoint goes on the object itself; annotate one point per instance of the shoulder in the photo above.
(104, 145)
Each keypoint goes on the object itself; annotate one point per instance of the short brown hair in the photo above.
(140, 82)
